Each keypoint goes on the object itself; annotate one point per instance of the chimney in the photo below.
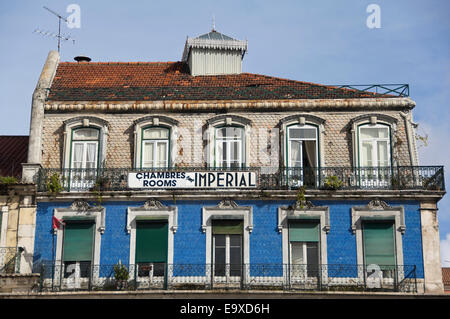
(81, 58)
(214, 54)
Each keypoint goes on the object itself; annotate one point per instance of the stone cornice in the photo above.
(199, 105)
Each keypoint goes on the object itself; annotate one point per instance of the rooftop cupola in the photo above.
(214, 53)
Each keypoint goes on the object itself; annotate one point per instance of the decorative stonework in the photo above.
(154, 209)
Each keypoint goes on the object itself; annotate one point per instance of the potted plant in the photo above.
(332, 182)
(121, 276)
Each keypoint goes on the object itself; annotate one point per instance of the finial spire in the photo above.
(213, 23)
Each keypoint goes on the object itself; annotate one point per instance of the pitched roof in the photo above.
(446, 276)
(153, 81)
(13, 152)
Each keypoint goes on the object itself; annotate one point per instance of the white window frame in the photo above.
(228, 209)
(379, 210)
(227, 120)
(152, 209)
(155, 142)
(3, 230)
(227, 276)
(79, 208)
(156, 121)
(374, 143)
(228, 142)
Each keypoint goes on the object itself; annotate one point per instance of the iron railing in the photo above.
(269, 178)
(335, 277)
(10, 259)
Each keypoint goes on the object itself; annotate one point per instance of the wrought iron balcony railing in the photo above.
(10, 259)
(268, 178)
(146, 276)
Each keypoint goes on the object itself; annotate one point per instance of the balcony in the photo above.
(431, 178)
(10, 259)
(335, 277)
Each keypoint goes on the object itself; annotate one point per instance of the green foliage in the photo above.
(332, 182)
(53, 183)
(121, 272)
(301, 198)
(8, 180)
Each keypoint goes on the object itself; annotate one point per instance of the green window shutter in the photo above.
(78, 241)
(227, 227)
(304, 231)
(151, 241)
(379, 244)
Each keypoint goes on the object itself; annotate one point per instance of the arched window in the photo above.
(229, 147)
(155, 147)
(374, 145)
(85, 146)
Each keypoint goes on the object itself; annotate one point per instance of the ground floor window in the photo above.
(227, 247)
(78, 248)
(151, 247)
(304, 248)
(379, 245)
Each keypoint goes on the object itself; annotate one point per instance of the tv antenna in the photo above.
(58, 36)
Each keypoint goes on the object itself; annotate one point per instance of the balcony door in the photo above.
(374, 155)
(302, 155)
(84, 158)
(227, 250)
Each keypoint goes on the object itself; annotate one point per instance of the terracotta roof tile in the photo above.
(97, 81)
(13, 152)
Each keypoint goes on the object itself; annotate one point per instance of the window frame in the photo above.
(155, 141)
(228, 141)
(374, 141)
(147, 122)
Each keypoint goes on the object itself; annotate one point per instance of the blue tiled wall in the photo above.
(265, 240)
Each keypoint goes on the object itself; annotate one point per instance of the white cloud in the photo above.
(445, 251)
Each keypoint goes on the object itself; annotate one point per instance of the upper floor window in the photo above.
(374, 145)
(155, 147)
(229, 147)
(228, 141)
(85, 146)
(302, 146)
(155, 142)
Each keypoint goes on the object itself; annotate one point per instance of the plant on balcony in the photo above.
(332, 183)
(8, 180)
(101, 183)
(53, 184)
(301, 198)
(121, 275)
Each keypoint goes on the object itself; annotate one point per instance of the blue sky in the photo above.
(323, 41)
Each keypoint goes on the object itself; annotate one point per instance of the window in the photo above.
(379, 246)
(155, 142)
(155, 147)
(227, 247)
(78, 248)
(151, 247)
(229, 147)
(374, 146)
(302, 154)
(84, 158)
(304, 248)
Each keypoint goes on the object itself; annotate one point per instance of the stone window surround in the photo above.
(227, 120)
(85, 122)
(154, 210)
(227, 209)
(301, 120)
(155, 121)
(80, 208)
(308, 212)
(376, 210)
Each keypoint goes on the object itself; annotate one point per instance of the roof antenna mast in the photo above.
(213, 23)
(58, 36)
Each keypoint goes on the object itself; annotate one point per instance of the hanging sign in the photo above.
(189, 179)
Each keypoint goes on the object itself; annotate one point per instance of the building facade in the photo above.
(194, 174)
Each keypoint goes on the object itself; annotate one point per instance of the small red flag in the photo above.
(57, 223)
